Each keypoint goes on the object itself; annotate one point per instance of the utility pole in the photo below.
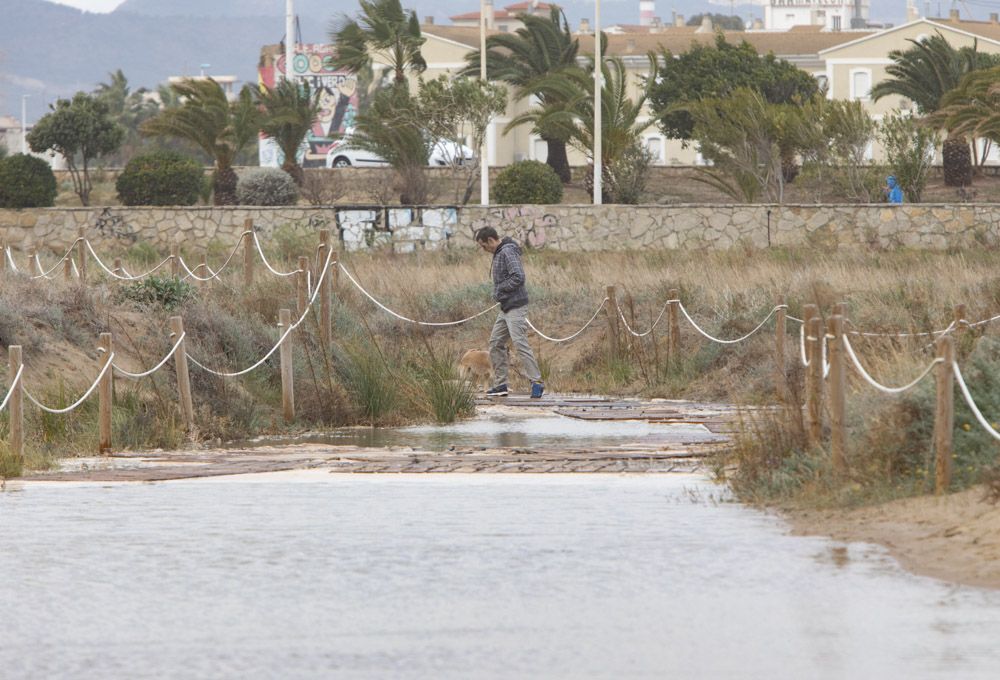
(24, 123)
(598, 84)
(289, 38)
(484, 161)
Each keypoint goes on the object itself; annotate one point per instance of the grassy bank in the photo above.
(385, 371)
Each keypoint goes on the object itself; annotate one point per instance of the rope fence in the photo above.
(824, 352)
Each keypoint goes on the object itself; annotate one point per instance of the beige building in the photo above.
(502, 20)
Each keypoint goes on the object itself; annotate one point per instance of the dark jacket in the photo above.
(508, 276)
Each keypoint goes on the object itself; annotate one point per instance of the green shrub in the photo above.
(267, 186)
(26, 182)
(528, 182)
(166, 292)
(160, 178)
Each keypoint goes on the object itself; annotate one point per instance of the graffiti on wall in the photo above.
(527, 224)
(338, 100)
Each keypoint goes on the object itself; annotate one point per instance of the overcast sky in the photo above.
(92, 5)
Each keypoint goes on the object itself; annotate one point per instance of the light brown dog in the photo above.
(475, 364)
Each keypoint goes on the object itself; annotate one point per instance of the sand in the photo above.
(954, 538)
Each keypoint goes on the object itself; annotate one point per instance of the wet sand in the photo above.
(954, 538)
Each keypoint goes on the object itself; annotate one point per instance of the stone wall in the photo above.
(561, 227)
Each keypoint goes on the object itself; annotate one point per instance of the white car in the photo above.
(444, 152)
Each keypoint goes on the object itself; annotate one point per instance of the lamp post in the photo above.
(24, 123)
(484, 161)
(598, 73)
(289, 37)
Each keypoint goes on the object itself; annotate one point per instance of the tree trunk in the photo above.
(557, 159)
(224, 186)
(956, 162)
(296, 173)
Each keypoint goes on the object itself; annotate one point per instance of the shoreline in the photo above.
(954, 538)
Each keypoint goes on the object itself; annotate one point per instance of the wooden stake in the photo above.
(838, 395)
(118, 267)
(105, 392)
(16, 404)
(612, 314)
(944, 413)
(249, 257)
(81, 255)
(780, 377)
(203, 269)
(3, 257)
(68, 268)
(302, 285)
(287, 386)
(674, 320)
(183, 378)
(175, 261)
(324, 290)
(33, 262)
(814, 411)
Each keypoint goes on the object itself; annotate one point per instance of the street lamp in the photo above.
(204, 67)
(24, 123)
(289, 38)
(484, 162)
(598, 73)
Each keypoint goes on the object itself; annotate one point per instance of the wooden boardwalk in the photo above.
(666, 452)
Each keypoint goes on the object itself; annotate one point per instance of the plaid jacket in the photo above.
(508, 276)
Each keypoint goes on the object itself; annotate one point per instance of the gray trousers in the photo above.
(512, 326)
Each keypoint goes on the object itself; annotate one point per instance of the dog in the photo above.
(475, 364)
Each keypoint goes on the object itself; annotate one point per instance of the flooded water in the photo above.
(503, 430)
(312, 575)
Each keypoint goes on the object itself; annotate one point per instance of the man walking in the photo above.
(511, 324)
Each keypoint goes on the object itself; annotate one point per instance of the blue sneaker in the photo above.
(498, 391)
(537, 389)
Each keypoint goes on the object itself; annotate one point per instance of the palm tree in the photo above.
(207, 119)
(381, 29)
(973, 107)
(543, 47)
(128, 108)
(923, 74)
(289, 111)
(573, 119)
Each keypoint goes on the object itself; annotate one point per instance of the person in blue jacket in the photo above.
(892, 190)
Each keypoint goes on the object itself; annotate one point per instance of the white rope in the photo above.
(136, 376)
(802, 346)
(38, 266)
(405, 318)
(76, 271)
(79, 401)
(291, 327)
(789, 317)
(13, 384)
(720, 340)
(10, 258)
(877, 385)
(126, 276)
(568, 337)
(943, 331)
(635, 333)
(985, 321)
(264, 259)
(972, 404)
(212, 274)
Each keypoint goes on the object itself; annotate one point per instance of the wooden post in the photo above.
(674, 320)
(33, 262)
(183, 378)
(16, 404)
(808, 312)
(302, 284)
(175, 261)
(324, 290)
(249, 257)
(3, 257)
(81, 255)
(944, 413)
(961, 323)
(203, 270)
(838, 395)
(68, 268)
(287, 386)
(780, 378)
(814, 396)
(118, 267)
(612, 321)
(840, 309)
(105, 392)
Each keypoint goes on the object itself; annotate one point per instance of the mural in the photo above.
(338, 101)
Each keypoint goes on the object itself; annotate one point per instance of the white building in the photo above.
(832, 15)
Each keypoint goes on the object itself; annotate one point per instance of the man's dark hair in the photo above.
(485, 234)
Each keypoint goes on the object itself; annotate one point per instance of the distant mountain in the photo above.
(49, 50)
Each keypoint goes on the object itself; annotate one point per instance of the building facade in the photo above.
(832, 15)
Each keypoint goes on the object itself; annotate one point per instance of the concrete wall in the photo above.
(561, 227)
